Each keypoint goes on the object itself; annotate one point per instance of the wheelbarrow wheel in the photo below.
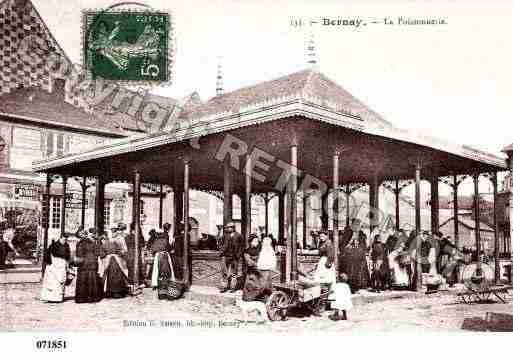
(277, 305)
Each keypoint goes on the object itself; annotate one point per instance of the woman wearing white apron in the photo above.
(56, 257)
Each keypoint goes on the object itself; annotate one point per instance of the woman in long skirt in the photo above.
(89, 286)
(162, 271)
(114, 270)
(56, 257)
(266, 263)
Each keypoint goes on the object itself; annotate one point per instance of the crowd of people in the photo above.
(389, 259)
(105, 264)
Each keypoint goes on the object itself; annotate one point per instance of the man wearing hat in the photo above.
(230, 252)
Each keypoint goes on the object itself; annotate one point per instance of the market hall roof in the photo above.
(269, 111)
(307, 84)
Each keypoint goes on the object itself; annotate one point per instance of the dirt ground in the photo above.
(22, 311)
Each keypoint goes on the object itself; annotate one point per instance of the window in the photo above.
(55, 144)
(141, 208)
(56, 212)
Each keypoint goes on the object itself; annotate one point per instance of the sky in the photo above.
(451, 81)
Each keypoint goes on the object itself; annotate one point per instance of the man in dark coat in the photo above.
(230, 253)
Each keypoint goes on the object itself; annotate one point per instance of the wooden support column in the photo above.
(178, 205)
(281, 236)
(456, 220)
(187, 273)
(281, 217)
(435, 212)
(336, 214)
(324, 213)
(418, 228)
(161, 206)
(305, 218)
(477, 219)
(99, 212)
(374, 214)
(227, 195)
(293, 210)
(46, 223)
(456, 210)
(397, 192)
(84, 193)
(247, 195)
(243, 218)
(348, 212)
(266, 201)
(136, 219)
(496, 231)
(63, 211)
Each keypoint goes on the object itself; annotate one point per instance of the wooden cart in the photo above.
(292, 294)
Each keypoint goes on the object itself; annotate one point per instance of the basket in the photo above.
(170, 289)
(69, 278)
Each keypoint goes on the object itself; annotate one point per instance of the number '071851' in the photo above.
(51, 344)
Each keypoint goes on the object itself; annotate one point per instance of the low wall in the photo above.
(206, 267)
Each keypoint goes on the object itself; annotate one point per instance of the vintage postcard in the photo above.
(174, 168)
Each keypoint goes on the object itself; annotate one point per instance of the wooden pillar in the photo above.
(266, 201)
(84, 193)
(495, 231)
(374, 202)
(456, 210)
(348, 195)
(397, 192)
(187, 273)
(227, 192)
(63, 212)
(99, 212)
(243, 218)
(324, 213)
(336, 192)
(161, 206)
(247, 207)
(281, 217)
(46, 223)
(456, 221)
(281, 237)
(477, 219)
(178, 204)
(293, 211)
(305, 219)
(418, 228)
(136, 219)
(435, 212)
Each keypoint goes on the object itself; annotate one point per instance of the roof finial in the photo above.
(312, 54)
(219, 81)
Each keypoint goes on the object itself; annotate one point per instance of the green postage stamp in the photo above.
(127, 46)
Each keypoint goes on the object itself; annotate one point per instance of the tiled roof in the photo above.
(508, 148)
(304, 84)
(38, 105)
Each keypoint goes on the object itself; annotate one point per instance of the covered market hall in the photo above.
(296, 135)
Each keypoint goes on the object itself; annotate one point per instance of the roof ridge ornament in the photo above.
(219, 79)
(313, 61)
